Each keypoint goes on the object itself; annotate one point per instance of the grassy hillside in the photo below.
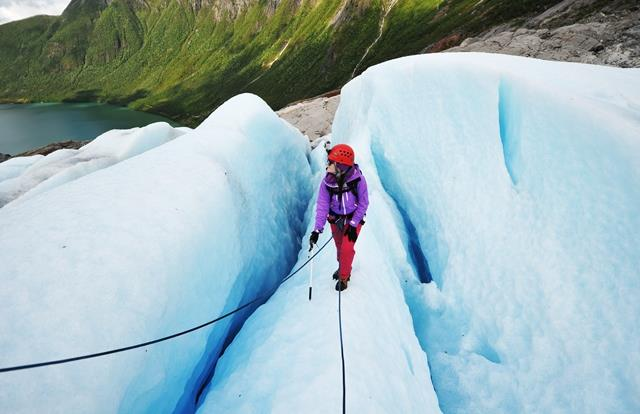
(180, 60)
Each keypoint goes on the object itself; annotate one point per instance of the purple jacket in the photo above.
(344, 203)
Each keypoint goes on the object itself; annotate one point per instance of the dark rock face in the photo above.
(48, 149)
(4, 157)
(585, 31)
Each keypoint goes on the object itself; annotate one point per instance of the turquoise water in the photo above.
(30, 126)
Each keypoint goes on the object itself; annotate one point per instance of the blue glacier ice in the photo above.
(522, 180)
(512, 183)
(517, 181)
(287, 359)
(143, 248)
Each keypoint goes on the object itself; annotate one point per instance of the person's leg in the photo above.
(337, 239)
(346, 255)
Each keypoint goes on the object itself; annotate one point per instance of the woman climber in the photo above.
(343, 202)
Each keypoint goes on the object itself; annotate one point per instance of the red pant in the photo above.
(345, 250)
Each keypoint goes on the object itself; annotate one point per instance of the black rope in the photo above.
(155, 341)
(344, 387)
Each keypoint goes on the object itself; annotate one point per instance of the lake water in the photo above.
(30, 126)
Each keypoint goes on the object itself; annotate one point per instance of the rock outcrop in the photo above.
(313, 117)
(585, 31)
(47, 149)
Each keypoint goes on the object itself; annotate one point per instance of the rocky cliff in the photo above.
(587, 31)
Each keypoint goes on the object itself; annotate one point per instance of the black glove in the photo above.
(351, 233)
(313, 239)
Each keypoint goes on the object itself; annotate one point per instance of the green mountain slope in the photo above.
(183, 58)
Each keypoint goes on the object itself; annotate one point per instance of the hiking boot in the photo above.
(336, 275)
(341, 285)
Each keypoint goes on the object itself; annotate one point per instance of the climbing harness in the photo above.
(166, 338)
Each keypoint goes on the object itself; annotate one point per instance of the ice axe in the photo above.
(310, 271)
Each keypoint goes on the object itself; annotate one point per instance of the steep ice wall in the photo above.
(287, 357)
(521, 179)
(144, 248)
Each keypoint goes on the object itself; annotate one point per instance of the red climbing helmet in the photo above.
(343, 154)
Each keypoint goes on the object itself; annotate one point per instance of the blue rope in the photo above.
(166, 338)
(344, 388)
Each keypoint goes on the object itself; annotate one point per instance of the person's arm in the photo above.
(363, 203)
(322, 207)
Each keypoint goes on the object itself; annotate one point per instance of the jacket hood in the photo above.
(353, 174)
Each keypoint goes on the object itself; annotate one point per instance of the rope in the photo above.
(166, 338)
(344, 387)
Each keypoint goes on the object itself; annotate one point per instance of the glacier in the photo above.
(149, 246)
(510, 184)
(287, 358)
(26, 176)
(521, 179)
